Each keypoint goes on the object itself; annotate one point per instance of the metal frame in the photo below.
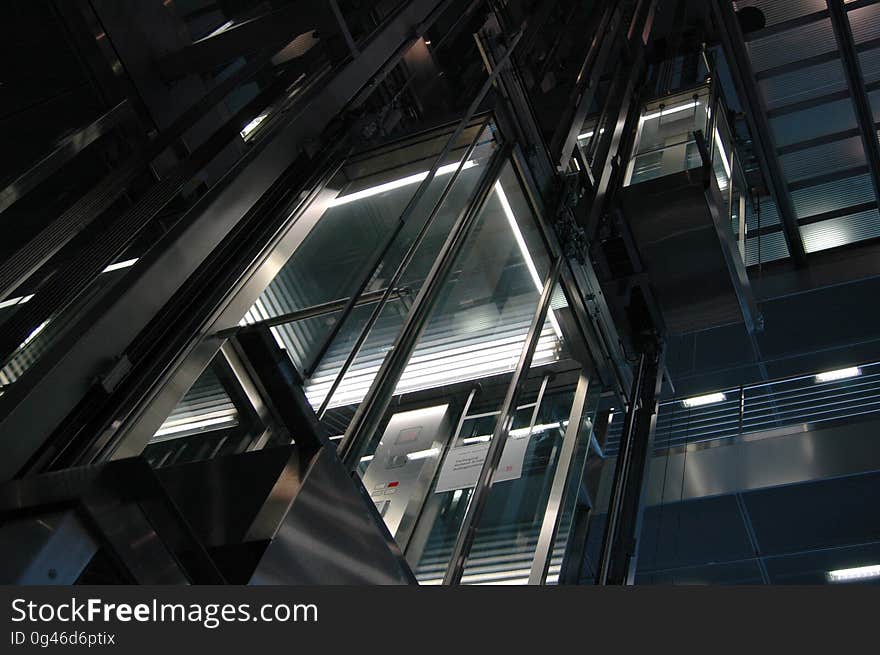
(379, 255)
(557, 499)
(370, 412)
(581, 97)
(468, 530)
(620, 545)
(104, 332)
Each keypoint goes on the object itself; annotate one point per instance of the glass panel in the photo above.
(508, 532)
(665, 143)
(577, 488)
(347, 241)
(476, 331)
(480, 333)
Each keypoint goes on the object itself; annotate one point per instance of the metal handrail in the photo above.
(754, 408)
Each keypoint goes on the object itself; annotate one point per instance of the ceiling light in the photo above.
(397, 184)
(708, 399)
(587, 135)
(857, 573)
(196, 425)
(670, 110)
(839, 374)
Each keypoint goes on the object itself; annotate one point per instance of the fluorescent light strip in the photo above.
(521, 242)
(723, 153)
(839, 374)
(18, 300)
(671, 110)
(225, 26)
(128, 263)
(708, 399)
(489, 362)
(397, 184)
(488, 351)
(353, 394)
(857, 573)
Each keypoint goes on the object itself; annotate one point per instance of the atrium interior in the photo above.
(440, 292)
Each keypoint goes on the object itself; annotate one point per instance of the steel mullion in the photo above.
(856, 83)
(744, 78)
(561, 476)
(468, 531)
(398, 274)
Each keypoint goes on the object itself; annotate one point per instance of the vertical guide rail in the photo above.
(556, 501)
(620, 547)
(474, 512)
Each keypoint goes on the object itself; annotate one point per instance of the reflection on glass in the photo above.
(665, 142)
(508, 532)
(580, 477)
(476, 331)
(479, 325)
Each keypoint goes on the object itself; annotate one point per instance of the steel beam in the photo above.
(756, 113)
(856, 83)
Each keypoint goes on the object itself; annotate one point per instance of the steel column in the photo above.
(620, 546)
